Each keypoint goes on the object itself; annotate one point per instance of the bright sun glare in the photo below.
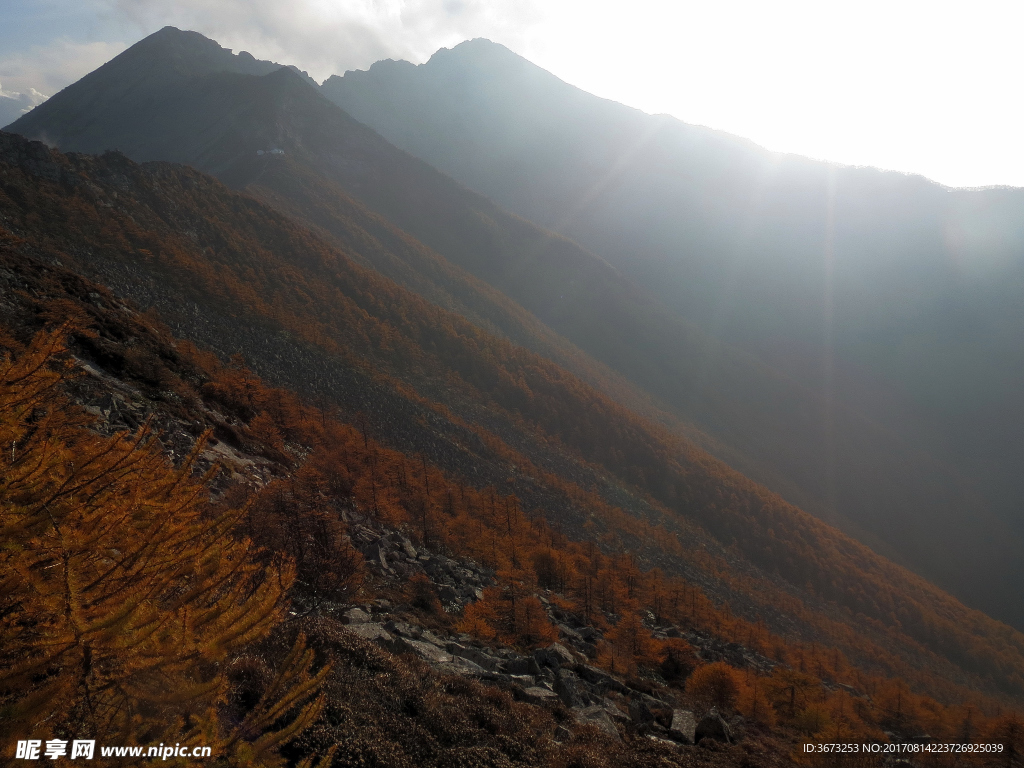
(928, 87)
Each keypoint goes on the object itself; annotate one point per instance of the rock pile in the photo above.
(711, 648)
(560, 673)
(391, 555)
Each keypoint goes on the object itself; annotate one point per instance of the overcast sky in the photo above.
(928, 87)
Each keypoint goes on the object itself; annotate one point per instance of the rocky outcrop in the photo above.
(572, 691)
(639, 712)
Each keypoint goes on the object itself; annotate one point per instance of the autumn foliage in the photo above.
(123, 591)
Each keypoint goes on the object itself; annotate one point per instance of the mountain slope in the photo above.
(226, 271)
(881, 293)
(318, 500)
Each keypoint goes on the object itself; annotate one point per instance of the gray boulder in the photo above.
(526, 665)
(598, 717)
(612, 710)
(426, 651)
(684, 726)
(373, 632)
(555, 655)
(600, 679)
(571, 690)
(404, 628)
(639, 712)
(408, 548)
(355, 616)
(536, 695)
(461, 666)
(568, 633)
(473, 654)
(429, 637)
(712, 726)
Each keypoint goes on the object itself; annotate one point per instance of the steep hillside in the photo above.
(228, 272)
(280, 688)
(818, 451)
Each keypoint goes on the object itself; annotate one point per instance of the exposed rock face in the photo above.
(599, 679)
(712, 726)
(714, 649)
(461, 666)
(426, 651)
(391, 555)
(475, 655)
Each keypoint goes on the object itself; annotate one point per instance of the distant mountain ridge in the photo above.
(216, 111)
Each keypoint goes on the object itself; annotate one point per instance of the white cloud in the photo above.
(13, 104)
(29, 74)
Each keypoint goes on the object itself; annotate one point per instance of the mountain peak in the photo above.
(481, 52)
(192, 53)
(476, 46)
(166, 62)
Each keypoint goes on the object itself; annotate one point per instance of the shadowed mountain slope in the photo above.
(819, 452)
